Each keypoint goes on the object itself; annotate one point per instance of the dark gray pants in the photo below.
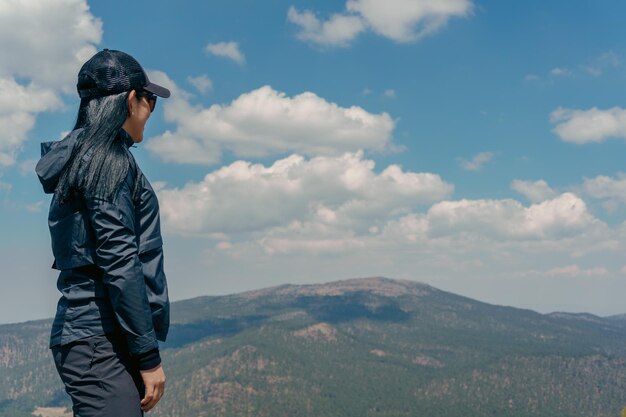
(100, 377)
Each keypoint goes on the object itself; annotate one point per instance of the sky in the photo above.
(474, 145)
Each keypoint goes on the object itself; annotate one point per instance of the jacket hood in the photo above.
(54, 156)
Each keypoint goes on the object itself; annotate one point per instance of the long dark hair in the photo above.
(100, 160)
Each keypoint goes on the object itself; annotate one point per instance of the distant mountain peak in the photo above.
(377, 285)
(576, 316)
(364, 346)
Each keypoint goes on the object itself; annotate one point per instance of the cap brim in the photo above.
(157, 89)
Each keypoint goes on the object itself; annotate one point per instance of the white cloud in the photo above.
(585, 126)
(227, 50)
(308, 238)
(612, 190)
(264, 223)
(335, 204)
(339, 30)
(399, 20)
(560, 72)
(604, 62)
(408, 20)
(311, 216)
(266, 122)
(202, 83)
(27, 167)
(535, 191)
(44, 44)
(563, 216)
(342, 193)
(477, 162)
(595, 67)
(15, 97)
(532, 77)
(18, 107)
(47, 40)
(576, 271)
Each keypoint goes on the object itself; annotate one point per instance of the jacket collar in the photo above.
(126, 139)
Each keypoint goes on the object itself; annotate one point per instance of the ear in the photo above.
(132, 101)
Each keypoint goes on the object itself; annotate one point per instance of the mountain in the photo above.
(618, 318)
(362, 347)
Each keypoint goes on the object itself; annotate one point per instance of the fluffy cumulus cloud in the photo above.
(228, 50)
(341, 204)
(482, 225)
(46, 41)
(18, 106)
(563, 216)
(340, 193)
(610, 190)
(266, 122)
(338, 30)
(399, 20)
(535, 191)
(408, 20)
(586, 126)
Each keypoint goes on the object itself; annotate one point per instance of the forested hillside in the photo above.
(363, 347)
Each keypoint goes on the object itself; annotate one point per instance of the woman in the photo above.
(106, 242)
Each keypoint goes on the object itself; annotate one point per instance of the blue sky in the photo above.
(477, 146)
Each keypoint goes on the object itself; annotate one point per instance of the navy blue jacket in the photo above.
(110, 256)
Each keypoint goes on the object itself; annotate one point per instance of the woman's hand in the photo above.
(154, 381)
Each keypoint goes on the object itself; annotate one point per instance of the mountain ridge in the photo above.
(367, 284)
(371, 346)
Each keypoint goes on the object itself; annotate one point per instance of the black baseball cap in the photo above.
(112, 72)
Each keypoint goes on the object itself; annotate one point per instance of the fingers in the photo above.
(154, 382)
(149, 395)
(152, 397)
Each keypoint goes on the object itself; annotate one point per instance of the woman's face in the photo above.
(139, 110)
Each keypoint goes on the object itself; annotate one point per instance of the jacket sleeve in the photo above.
(113, 223)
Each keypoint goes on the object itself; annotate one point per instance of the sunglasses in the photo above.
(150, 98)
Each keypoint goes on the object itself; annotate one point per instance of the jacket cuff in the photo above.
(138, 345)
(149, 360)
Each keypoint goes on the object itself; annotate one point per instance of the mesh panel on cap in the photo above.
(110, 72)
